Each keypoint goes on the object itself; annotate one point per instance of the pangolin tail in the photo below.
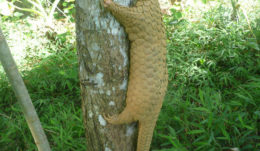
(145, 135)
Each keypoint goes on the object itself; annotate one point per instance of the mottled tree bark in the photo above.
(103, 71)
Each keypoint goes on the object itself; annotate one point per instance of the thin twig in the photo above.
(59, 10)
(248, 22)
(51, 131)
(25, 9)
(54, 6)
(5, 116)
(40, 7)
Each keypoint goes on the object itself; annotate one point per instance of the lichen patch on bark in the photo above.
(123, 53)
(123, 86)
(111, 103)
(108, 92)
(101, 120)
(90, 114)
(107, 149)
(130, 129)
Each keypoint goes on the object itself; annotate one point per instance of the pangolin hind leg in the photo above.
(124, 117)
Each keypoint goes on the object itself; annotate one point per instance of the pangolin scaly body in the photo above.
(148, 76)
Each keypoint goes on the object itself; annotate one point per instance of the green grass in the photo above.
(54, 88)
(213, 98)
(50, 72)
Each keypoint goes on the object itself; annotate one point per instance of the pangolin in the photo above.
(148, 75)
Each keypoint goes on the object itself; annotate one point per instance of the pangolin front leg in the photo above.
(124, 117)
(148, 72)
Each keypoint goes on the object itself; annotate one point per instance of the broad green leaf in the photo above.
(202, 109)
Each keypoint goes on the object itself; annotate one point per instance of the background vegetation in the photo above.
(213, 99)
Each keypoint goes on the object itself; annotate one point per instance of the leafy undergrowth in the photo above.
(49, 68)
(213, 100)
(54, 88)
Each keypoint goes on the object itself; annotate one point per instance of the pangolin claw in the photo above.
(110, 118)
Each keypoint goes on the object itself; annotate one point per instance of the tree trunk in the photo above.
(103, 71)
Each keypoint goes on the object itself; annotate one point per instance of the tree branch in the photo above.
(22, 96)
